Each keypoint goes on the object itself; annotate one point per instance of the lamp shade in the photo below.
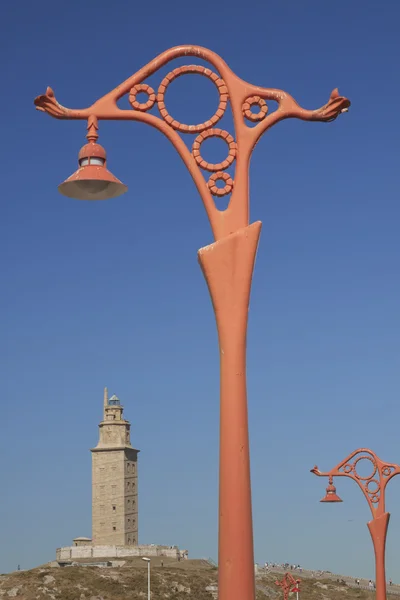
(92, 180)
(331, 495)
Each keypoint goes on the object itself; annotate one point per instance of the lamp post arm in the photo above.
(335, 472)
(288, 108)
(48, 103)
(241, 95)
(372, 486)
(395, 471)
(214, 216)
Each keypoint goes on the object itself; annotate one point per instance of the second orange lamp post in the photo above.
(373, 486)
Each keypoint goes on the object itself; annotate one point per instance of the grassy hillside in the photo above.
(174, 581)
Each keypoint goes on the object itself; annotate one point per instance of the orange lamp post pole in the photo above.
(373, 487)
(227, 264)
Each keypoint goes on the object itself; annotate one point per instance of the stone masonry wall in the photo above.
(76, 552)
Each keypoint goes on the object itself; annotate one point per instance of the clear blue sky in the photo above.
(111, 293)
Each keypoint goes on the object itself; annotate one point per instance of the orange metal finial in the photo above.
(92, 128)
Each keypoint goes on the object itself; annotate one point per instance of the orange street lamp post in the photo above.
(289, 584)
(373, 487)
(227, 264)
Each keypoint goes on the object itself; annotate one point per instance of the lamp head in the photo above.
(92, 180)
(146, 559)
(331, 495)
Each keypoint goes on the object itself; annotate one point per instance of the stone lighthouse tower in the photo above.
(114, 480)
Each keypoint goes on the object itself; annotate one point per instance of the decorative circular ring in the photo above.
(142, 106)
(253, 101)
(375, 498)
(375, 482)
(220, 175)
(386, 471)
(355, 468)
(220, 133)
(223, 98)
(348, 468)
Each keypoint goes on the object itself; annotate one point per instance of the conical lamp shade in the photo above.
(92, 183)
(331, 495)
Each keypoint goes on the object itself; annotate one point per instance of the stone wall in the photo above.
(75, 552)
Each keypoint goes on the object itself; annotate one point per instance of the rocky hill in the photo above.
(186, 580)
